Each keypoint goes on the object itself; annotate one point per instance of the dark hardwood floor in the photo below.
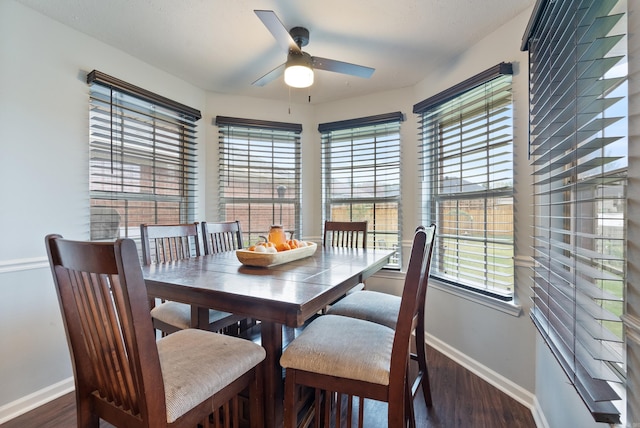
(460, 399)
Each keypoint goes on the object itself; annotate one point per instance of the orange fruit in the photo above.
(283, 246)
(293, 243)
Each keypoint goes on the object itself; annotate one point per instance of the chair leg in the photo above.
(423, 372)
(409, 411)
(319, 403)
(396, 416)
(256, 398)
(86, 418)
(290, 400)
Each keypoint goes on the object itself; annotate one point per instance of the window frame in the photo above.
(285, 141)
(143, 163)
(438, 189)
(354, 140)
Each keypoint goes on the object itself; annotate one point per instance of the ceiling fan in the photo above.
(298, 70)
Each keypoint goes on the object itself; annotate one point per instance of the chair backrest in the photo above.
(103, 300)
(352, 234)
(422, 296)
(415, 284)
(221, 236)
(168, 242)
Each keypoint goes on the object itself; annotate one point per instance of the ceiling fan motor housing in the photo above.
(299, 58)
(300, 35)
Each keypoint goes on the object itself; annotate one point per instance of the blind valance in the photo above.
(379, 119)
(259, 124)
(502, 69)
(100, 78)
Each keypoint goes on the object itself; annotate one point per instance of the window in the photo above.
(259, 175)
(578, 147)
(467, 175)
(142, 158)
(361, 176)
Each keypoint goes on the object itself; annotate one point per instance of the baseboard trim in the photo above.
(538, 415)
(29, 402)
(513, 390)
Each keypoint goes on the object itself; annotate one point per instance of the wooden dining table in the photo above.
(283, 295)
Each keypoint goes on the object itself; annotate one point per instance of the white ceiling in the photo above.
(222, 46)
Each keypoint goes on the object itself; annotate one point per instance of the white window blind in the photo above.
(259, 175)
(361, 176)
(467, 164)
(142, 162)
(577, 60)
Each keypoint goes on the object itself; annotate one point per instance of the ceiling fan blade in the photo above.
(278, 30)
(342, 67)
(270, 76)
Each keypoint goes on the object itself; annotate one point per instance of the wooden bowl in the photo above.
(251, 258)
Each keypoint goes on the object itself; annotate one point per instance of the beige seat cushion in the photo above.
(196, 364)
(179, 314)
(344, 347)
(381, 308)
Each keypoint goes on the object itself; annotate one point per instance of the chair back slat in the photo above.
(103, 300)
(219, 237)
(100, 300)
(168, 242)
(351, 234)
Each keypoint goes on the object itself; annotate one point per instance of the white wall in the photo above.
(43, 176)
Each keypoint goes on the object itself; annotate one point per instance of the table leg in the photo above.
(273, 386)
(200, 317)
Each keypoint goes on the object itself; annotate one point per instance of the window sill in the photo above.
(508, 308)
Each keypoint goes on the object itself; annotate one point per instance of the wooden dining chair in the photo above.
(121, 373)
(224, 236)
(165, 243)
(335, 355)
(351, 234)
(383, 308)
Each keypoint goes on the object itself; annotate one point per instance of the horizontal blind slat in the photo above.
(577, 110)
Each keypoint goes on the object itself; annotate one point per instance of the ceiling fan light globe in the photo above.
(298, 76)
